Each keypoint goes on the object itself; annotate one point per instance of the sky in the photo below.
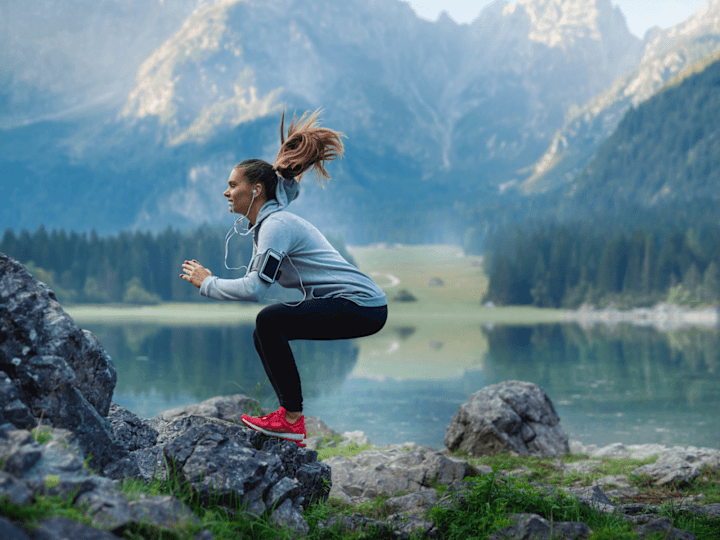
(641, 15)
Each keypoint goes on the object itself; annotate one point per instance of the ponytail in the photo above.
(307, 145)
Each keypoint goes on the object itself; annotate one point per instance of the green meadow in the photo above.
(415, 270)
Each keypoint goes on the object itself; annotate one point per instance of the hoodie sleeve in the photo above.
(248, 289)
(274, 234)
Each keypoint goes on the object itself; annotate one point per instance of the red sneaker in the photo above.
(275, 425)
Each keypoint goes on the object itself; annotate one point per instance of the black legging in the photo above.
(318, 319)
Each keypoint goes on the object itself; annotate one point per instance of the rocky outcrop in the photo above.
(368, 474)
(511, 416)
(675, 464)
(537, 527)
(385, 472)
(50, 368)
(55, 467)
(53, 372)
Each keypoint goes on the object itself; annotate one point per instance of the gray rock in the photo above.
(377, 472)
(130, 430)
(161, 513)
(663, 525)
(228, 464)
(16, 491)
(56, 370)
(586, 466)
(11, 531)
(593, 497)
(618, 480)
(61, 528)
(289, 514)
(669, 468)
(413, 503)
(52, 468)
(354, 437)
(710, 510)
(532, 526)
(510, 416)
(312, 443)
(356, 522)
(12, 409)
(404, 525)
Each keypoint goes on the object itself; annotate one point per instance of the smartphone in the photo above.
(270, 265)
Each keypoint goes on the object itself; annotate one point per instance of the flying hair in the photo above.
(307, 146)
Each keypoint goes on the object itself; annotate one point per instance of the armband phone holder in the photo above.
(270, 266)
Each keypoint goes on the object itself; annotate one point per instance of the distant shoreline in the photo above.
(662, 316)
(220, 313)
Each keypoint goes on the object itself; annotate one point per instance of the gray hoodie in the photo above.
(308, 256)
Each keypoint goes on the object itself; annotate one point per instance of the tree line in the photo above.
(130, 267)
(570, 265)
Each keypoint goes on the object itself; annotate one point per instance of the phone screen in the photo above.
(271, 267)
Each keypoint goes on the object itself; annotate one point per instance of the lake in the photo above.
(629, 384)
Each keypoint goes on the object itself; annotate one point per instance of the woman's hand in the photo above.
(194, 272)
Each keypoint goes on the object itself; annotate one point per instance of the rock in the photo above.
(618, 480)
(158, 515)
(53, 468)
(130, 430)
(663, 525)
(404, 525)
(354, 523)
(354, 437)
(668, 469)
(538, 528)
(11, 531)
(586, 466)
(16, 491)
(62, 528)
(435, 282)
(593, 497)
(413, 503)
(312, 443)
(51, 368)
(231, 465)
(377, 472)
(510, 416)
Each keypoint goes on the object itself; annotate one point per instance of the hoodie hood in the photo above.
(285, 193)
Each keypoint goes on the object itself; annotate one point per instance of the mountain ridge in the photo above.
(437, 114)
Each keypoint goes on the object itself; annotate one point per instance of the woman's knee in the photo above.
(268, 320)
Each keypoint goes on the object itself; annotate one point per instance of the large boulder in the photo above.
(512, 416)
(50, 368)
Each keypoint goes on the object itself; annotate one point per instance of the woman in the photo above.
(339, 301)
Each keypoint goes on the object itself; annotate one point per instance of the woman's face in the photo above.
(239, 192)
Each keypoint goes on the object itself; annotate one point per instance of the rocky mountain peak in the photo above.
(561, 23)
(705, 21)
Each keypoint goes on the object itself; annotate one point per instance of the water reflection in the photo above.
(628, 384)
(162, 367)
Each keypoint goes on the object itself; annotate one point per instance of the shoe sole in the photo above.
(295, 437)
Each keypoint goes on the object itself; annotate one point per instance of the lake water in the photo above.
(632, 385)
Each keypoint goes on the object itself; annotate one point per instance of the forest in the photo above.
(131, 267)
(570, 265)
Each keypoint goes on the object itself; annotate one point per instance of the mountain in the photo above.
(663, 157)
(666, 53)
(437, 114)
